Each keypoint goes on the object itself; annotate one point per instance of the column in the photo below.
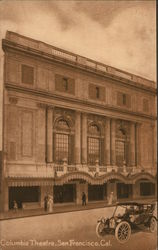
(132, 144)
(138, 144)
(112, 139)
(84, 138)
(107, 141)
(6, 197)
(78, 138)
(49, 134)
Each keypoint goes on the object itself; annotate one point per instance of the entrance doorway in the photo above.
(97, 192)
(23, 194)
(147, 189)
(124, 190)
(64, 193)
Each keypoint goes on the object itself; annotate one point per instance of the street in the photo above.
(71, 230)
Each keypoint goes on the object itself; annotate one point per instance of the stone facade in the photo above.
(52, 95)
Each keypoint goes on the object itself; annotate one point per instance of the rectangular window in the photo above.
(93, 150)
(27, 74)
(62, 145)
(64, 84)
(145, 105)
(123, 99)
(96, 92)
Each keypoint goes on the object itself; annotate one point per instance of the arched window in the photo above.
(94, 147)
(121, 147)
(63, 141)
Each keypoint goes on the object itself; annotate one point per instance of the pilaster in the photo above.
(112, 140)
(78, 138)
(84, 138)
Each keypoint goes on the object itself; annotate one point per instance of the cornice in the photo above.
(78, 101)
(41, 54)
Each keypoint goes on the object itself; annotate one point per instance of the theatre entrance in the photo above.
(124, 190)
(97, 192)
(64, 193)
(23, 194)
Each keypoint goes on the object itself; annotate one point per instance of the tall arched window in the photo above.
(121, 147)
(94, 144)
(63, 142)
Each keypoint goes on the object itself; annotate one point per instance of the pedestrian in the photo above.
(111, 197)
(83, 199)
(15, 206)
(46, 203)
(50, 204)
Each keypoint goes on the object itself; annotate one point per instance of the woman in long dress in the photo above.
(50, 204)
(110, 201)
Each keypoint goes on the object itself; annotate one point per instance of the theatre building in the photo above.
(74, 125)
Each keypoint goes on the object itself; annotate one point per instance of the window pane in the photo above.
(61, 147)
(93, 150)
(27, 74)
(120, 151)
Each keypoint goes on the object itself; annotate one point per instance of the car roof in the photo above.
(133, 203)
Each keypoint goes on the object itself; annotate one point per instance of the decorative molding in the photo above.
(42, 105)
(81, 102)
(33, 51)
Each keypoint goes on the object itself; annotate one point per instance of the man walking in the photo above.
(46, 203)
(83, 199)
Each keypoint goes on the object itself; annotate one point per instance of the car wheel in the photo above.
(123, 232)
(153, 225)
(100, 229)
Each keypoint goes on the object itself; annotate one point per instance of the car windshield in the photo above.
(120, 211)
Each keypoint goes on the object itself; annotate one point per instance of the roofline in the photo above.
(78, 59)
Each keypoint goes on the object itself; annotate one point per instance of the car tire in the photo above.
(123, 232)
(153, 225)
(100, 229)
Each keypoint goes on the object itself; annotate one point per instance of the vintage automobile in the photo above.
(128, 217)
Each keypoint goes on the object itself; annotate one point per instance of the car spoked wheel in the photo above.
(123, 232)
(100, 229)
(153, 225)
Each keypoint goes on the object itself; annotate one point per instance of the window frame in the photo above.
(94, 136)
(31, 67)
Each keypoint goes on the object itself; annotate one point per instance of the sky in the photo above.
(118, 33)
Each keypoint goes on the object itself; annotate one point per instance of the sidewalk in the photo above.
(61, 209)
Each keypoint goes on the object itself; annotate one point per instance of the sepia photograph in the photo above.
(78, 125)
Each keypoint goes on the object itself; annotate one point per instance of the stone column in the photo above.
(78, 138)
(136, 190)
(132, 144)
(84, 138)
(49, 134)
(138, 144)
(112, 139)
(107, 141)
(6, 197)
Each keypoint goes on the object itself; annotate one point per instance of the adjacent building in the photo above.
(73, 125)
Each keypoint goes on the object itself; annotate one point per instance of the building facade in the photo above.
(73, 125)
